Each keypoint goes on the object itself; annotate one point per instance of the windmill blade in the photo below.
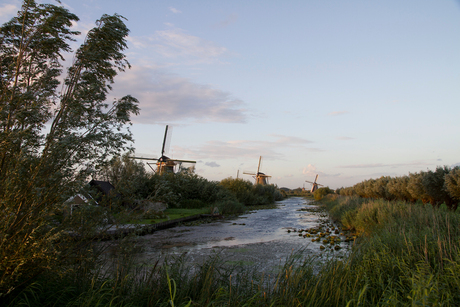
(166, 140)
(185, 161)
(258, 166)
(150, 165)
(320, 184)
(316, 178)
(142, 158)
(248, 173)
(309, 182)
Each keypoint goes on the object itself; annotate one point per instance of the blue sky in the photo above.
(349, 90)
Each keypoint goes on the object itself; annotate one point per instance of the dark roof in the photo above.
(104, 187)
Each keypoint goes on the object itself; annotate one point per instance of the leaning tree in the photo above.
(52, 133)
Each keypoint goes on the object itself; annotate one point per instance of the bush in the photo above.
(250, 194)
(230, 207)
(321, 192)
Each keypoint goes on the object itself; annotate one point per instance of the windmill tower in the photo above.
(314, 185)
(165, 164)
(260, 177)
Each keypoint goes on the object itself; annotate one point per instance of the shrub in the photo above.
(321, 192)
(230, 207)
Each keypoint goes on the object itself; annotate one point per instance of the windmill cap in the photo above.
(163, 158)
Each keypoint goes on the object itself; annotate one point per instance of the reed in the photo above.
(406, 255)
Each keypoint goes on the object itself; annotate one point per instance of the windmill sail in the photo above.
(166, 165)
(314, 184)
(259, 177)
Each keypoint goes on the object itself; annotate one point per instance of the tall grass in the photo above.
(405, 255)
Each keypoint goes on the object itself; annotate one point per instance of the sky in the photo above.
(349, 90)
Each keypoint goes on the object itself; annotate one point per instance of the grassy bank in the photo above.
(406, 255)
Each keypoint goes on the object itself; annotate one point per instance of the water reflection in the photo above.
(265, 225)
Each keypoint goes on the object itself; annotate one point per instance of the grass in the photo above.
(172, 214)
(407, 255)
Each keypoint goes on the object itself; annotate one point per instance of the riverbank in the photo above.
(407, 255)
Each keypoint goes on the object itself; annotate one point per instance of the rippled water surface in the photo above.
(262, 225)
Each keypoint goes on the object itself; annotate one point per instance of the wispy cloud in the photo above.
(174, 46)
(7, 11)
(169, 98)
(337, 113)
(174, 10)
(232, 18)
(248, 149)
(290, 140)
(344, 138)
(393, 165)
(175, 43)
(212, 164)
(311, 170)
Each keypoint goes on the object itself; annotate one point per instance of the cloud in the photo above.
(344, 138)
(248, 149)
(212, 164)
(174, 10)
(290, 140)
(311, 170)
(169, 98)
(377, 165)
(176, 44)
(337, 113)
(232, 18)
(7, 11)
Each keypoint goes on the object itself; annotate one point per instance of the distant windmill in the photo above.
(164, 164)
(260, 177)
(315, 185)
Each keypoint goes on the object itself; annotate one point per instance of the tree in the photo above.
(435, 186)
(321, 192)
(452, 185)
(127, 175)
(417, 189)
(51, 140)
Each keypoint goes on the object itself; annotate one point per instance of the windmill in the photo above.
(165, 164)
(315, 185)
(260, 177)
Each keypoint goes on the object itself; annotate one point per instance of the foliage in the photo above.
(250, 194)
(407, 256)
(452, 183)
(295, 192)
(321, 192)
(126, 175)
(175, 189)
(50, 141)
(230, 207)
(435, 187)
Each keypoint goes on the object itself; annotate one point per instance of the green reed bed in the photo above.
(406, 255)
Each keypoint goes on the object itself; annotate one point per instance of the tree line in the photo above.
(441, 186)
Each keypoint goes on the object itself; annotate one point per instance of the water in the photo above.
(259, 238)
(265, 225)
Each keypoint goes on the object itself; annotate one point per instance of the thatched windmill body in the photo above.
(164, 164)
(260, 177)
(314, 184)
